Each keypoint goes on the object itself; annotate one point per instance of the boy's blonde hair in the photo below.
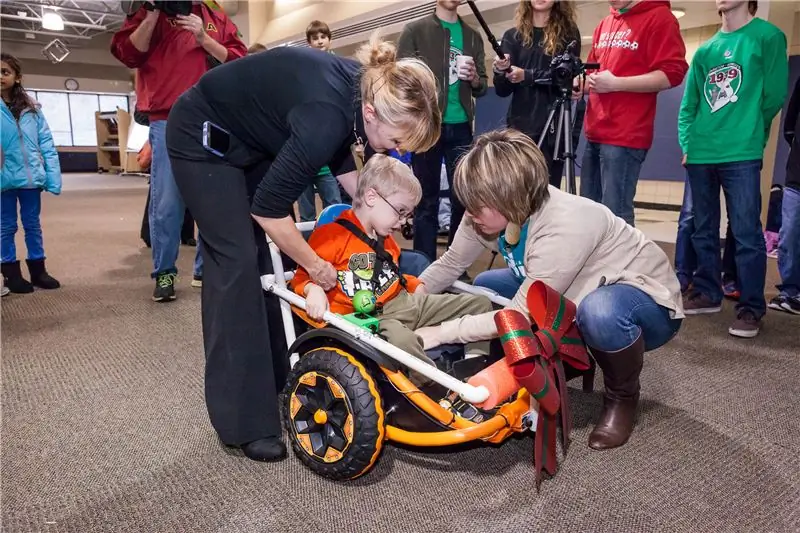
(403, 92)
(505, 171)
(387, 176)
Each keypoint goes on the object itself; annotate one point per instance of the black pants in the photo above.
(246, 353)
(453, 143)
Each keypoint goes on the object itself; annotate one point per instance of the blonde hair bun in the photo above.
(376, 52)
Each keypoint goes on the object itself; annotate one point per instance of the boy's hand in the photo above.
(316, 301)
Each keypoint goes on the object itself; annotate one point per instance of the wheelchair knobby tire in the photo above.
(334, 414)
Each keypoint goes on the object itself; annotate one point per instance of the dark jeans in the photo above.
(789, 244)
(685, 257)
(609, 175)
(452, 144)
(612, 317)
(741, 184)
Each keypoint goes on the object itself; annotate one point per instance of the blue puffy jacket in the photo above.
(29, 156)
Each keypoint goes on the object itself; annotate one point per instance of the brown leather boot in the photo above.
(621, 378)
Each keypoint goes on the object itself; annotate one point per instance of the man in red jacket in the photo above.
(641, 52)
(171, 52)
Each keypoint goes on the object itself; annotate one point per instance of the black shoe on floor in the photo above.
(165, 287)
(266, 450)
(13, 280)
(191, 241)
(787, 304)
(39, 275)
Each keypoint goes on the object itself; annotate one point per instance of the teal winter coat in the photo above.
(29, 156)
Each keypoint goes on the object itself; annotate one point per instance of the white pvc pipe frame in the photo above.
(277, 284)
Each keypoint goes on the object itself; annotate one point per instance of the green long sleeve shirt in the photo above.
(737, 83)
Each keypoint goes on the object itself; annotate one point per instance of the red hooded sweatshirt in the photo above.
(174, 62)
(636, 41)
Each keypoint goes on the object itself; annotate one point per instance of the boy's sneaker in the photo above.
(696, 303)
(730, 290)
(746, 326)
(197, 281)
(787, 304)
(4, 291)
(165, 287)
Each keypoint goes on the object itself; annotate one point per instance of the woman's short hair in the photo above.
(504, 170)
(403, 92)
(387, 176)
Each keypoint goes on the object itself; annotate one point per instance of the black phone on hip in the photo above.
(215, 139)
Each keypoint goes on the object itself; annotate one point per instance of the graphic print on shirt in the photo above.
(721, 85)
(358, 276)
(454, 53)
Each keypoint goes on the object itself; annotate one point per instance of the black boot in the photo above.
(39, 276)
(621, 378)
(12, 278)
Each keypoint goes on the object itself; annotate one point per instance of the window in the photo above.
(70, 115)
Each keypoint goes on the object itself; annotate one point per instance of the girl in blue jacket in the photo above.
(30, 165)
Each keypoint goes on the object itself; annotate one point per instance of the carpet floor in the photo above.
(104, 427)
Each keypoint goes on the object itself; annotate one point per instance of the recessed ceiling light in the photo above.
(678, 12)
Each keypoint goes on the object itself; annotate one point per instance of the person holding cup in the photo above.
(455, 53)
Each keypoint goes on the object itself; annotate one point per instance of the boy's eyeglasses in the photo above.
(404, 217)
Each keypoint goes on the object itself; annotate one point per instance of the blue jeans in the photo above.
(612, 317)
(452, 144)
(500, 280)
(741, 184)
(328, 187)
(685, 257)
(166, 208)
(609, 175)
(788, 244)
(30, 207)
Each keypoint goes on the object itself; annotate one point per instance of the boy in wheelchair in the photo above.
(359, 244)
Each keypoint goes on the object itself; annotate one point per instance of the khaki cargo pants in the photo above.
(407, 312)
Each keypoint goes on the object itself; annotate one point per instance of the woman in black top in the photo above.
(542, 29)
(285, 113)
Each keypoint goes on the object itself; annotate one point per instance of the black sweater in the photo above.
(791, 129)
(530, 102)
(295, 107)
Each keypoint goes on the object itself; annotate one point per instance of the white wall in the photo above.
(38, 81)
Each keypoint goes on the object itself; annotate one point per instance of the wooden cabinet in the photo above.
(113, 129)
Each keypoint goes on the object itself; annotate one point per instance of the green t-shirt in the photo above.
(736, 85)
(454, 113)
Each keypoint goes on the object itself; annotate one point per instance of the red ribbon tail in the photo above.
(537, 451)
(566, 415)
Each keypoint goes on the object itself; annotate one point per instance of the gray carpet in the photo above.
(104, 426)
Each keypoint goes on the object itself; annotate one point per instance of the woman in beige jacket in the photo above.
(627, 294)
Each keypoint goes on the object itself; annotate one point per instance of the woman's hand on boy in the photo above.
(316, 301)
(323, 274)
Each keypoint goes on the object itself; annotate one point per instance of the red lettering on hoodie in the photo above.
(640, 40)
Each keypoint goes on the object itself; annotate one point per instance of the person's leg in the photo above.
(458, 138)
(399, 319)
(328, 188)
(706, 293)
(789, 254)
(166, 215)
(590, 183)
(500, 280)
(685, 258)
(12, 273)
(730, 287)
(619, 175)
(187, 229)
(741, 183)
(144, 233)
(197, 270)
(413, 263)
(619, 323)
(438, 308)
(240, 386)
(30, 212)
(307, 205)
(428, 170)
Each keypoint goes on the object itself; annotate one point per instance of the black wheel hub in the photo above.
(321, 417)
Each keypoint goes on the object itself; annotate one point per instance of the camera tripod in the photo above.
(564, 133)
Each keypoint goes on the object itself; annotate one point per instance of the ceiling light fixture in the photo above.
(678, 12)
(52, 21)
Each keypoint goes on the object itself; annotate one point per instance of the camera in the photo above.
(171, 8)
(567, 66)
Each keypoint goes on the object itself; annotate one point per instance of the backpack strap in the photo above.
(382, 257)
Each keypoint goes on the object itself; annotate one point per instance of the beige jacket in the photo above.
(574, 245)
